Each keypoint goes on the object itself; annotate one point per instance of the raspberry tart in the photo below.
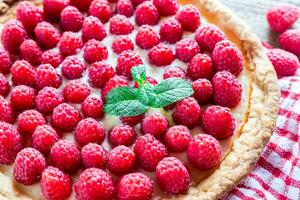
(130, 100)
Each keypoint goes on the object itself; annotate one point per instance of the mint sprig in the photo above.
(130, 101)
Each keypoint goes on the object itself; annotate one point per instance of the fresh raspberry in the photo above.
(55, 184)
(187, 112)
(282, 17)
(136, 186)
(146, 37)
(47, 99)
(203, 90)
(120, 25)
(170, 31)
(6, 111)
(227, 89)
(204, 152)
(101, 9)
(189, 17)
(132, 121)
(31, 52)
(10, 143)
(177, 138)
(149, 151)
(122, 135)
(69, 43)
(28, 167)
(53, 8)
(125, 7)
(155, 124)
(72, 67)
(172, 176)
(146, 13)
(13, 34)
(5, 61)
(116, 81)
(166, 7)
(71, 19)
(127, 60)
(100, 73)
(93, 155)
(208, 36)
(65, 156)
(47, 76)
(23, 73)
(65, 117)
(82, 5)
(92, 107)
(137, 2)
(149, 79)
(122, 43)
(29, 15)
(43, 138)
(94, 183)
(52, 57)
(89, 131)
(22, 97)
(186, 49)
(76, 91)
(121, 160)
(29, 120)
(226, 56)
(93, 28)
(200, 67)
(266, 45)
(94, 51)
(174, 72)
(47, 35)
(161, 55)
(4, 85)
(290, 41)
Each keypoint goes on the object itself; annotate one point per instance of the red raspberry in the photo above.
(136, 186)
(203, 90)
(282, 17)
(76, 91)
(166, 7)
(101, 9)
(89, 131)
(4, 85)
(120, 25)
(29, 120)
(47, 35)
(226, 56)
(5, 61)
(55, 184)
(122, 43)
(22, 97)
(13, 34)
(149, 79)
(204, 152)
(82, 5)
(177, 138)
(92, 28)
(65, 156)
(189, 17)
(100, 73)
(125, 7)
(53, 8)
(92, 107)
(93, 155)
(43, 138)
(72, 67)
(52, 57)
(94, 51)
(116, 81)
(172, 176)
(65, 117)
(31, 52)
(122, 135)
(132, 121)
(200, 67)
(47, 99)
(28, 167)
(137, 2)
(10, 143)
(186, 49)
(146, 13)
(6, 111)
(170, 31)
(71, 19)
(149, 151)
(290, 41)
(227, 89)
(285, 63)
(47, 76)
(161, 55)
(174, 72)
(208, 36)
(29, 15)
(121, 160)
(155, 124)
(127, 60)
(94, 183)
(187, 112)
(23, 73)
(70, 44)
(146, 37)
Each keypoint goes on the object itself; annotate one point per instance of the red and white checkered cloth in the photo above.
(277, 172)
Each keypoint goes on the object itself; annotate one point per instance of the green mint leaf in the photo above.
(138, 74)
(146, 94)
(171, 90)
